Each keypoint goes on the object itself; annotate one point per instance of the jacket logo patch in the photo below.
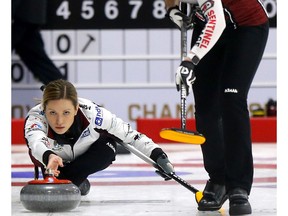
(85, 133)
(35, 126)
(228, 90)
(99, 116)
(207, 5)
(98, 121)
(111, 146)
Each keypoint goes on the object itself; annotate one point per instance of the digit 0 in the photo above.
(63, 43)
(17, 72)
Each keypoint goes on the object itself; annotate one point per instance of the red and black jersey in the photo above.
(245, 12)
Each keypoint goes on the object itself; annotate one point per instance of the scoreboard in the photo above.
(118, 14)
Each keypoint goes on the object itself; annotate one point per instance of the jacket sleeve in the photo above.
(123, 131)
(35, 131)
(215, 25)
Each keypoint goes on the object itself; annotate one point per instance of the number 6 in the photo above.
(111, 10)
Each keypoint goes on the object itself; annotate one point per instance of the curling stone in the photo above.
(50, 195)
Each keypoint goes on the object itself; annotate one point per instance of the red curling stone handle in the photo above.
(50, 180)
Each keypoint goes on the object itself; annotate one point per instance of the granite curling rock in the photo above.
(50, 195)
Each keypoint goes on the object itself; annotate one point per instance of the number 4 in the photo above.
(63, 10)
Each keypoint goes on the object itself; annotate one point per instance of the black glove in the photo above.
(198, 18)
(179, 18)
(165, 165)
(185, 76)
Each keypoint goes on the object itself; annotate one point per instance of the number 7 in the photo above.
(136, 6)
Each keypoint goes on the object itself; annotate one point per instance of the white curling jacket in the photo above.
(39, 136)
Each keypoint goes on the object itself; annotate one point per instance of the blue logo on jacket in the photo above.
(99, 116)
(85, 133)
(98, 121)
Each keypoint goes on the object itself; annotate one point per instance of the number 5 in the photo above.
(87, 10)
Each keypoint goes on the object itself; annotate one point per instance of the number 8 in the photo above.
(159, 9)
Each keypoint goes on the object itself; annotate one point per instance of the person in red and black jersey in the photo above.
(228, 42)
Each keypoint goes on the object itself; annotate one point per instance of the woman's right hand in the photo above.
(53, 162)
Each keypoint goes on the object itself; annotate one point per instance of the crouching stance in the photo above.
(74, 137)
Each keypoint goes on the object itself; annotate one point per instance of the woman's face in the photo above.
(60, 114)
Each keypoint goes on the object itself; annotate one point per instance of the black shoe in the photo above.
(239, 204)
(84, 187)
(214, 196)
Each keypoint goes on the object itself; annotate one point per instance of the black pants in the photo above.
(28, 44)
(223, 79)
(98, 157)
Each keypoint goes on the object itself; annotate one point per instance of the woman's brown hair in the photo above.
(59, 89)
